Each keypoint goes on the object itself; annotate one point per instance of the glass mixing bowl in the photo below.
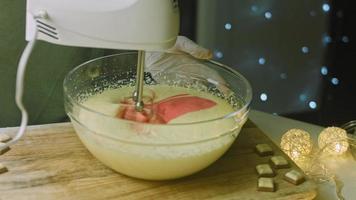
(156, 151)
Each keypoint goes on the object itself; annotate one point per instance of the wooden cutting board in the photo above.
(50, 162)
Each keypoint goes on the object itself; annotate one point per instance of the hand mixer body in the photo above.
(114, 24)
(144, 25)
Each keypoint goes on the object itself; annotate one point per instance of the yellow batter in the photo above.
(151, 151)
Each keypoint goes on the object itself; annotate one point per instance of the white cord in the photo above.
(21, 69)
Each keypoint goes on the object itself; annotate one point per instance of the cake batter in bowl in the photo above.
(192, 114)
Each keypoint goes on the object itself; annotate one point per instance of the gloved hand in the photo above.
(183, 46)
(184, 57)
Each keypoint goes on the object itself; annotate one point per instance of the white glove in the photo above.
(183, 45)
(183, 52)
(183, 57)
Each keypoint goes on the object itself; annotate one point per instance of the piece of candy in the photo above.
(266, 184)
(265, 170)
(4, 137)
(163, 111)
(3, 169)
(264, 150)
(279, 162)
(294, 177)
(3, 150)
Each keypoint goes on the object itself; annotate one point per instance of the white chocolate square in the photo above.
(3, 169)
(265, 170)
(264, 149)
(2, 151)
(294, 177)
(279, 162)
(4, 137)
(265, 184)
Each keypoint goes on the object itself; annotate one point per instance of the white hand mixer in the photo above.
(143, 25)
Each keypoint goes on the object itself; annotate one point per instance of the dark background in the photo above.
(336, 103)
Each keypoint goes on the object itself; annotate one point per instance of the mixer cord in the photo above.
(21, 70)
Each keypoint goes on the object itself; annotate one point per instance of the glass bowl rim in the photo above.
(244, 108)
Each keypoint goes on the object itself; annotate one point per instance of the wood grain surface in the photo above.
(50, 162)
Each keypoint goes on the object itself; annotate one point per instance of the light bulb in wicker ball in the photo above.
(296, 143)
(333, 140)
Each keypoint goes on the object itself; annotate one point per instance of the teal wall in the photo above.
(47, 67)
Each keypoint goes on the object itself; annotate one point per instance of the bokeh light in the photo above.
(345, 39)
(335, 81)
(326, 7)
(263, 97)
(228, 26)
(313, 105)
(324, 70)
(261, 61)
(305, 49)
(268, 15)
(218, 54)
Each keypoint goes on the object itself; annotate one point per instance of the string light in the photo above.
(333, 140)
(296, 143)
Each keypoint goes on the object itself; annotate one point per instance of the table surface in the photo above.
(50, 162)
(344, 168)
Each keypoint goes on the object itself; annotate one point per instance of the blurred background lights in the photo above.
(312, 105)
(263, 97)
(218, 54)
(228, 26)
(302, 97)
(305, 49)
(324, 70)
(268, 15)
(326, 7)
(335, 81)
(345, 39)
(326, 39)
(283, 76)
(312, 13)
(339, 14)
(261, 61)
(254, 8)
(263, 48)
